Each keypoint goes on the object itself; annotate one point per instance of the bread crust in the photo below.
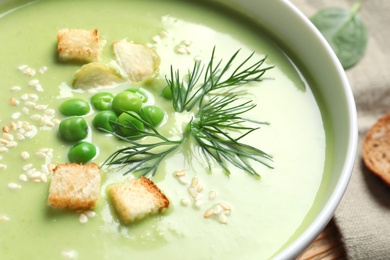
(376, 149)
(79, 45)
(74, 186)
(137, 199)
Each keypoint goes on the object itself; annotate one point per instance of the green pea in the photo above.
(126, 101)
(130, 124)
(75, 107)
(104, 120)
(82, 152)
(167, 93)
(152, 114)
(102, 101)
(140, 93)
(73, 129)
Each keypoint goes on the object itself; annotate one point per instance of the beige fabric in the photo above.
(364, 212)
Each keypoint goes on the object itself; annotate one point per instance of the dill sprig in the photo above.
(213, 132)
(143, 157)
(187, 95)
(217, 127)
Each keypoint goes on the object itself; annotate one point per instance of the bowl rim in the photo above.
(327, 212)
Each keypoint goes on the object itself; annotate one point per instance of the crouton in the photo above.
(137, 60)
(79, 45)
(137, 199)
(74, 186)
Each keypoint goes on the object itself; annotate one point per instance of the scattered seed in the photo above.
(185, 202)
(43, 177)
(212, 195)
(33, 82)
(208, 213)
(181, 173)
(27, 167)
(3, 166)
(4, 218)
(90, 214)
(13, 101)
(23, 177)
(83, 218)
(12, 144)
(25, 155)
(25, 110)
(69, 254)
(16, 88)
(14, 186)
(224, 206)
(6, 129)
(29, 104)
(3, 149)
(49, 112)
(43, 69)
(16, 115)
(194, 182)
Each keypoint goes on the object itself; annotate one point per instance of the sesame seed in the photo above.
(22, 67)
(208, 213)
(25, 155)
(212, 195)
(6, 129)
(29, 104)
(4, 218)
(43, 69)
(4, 141)
(20, 137)
(199, 188)
(23, 177)
(199, 203)
(16, 88)
(34, 97)
(25, 110)
(194, 182)
(39, 88)
(3, 149)
(222, 218)
(3, 166)
(49, 112)
(164, 34)
(225, 207)
(185, 202)
(8, 136)
(33, 82)
(27, 167)
(181, 173)
(193, 193)
(14, 186)
(36, 117)
(91, 214)
(13, 101)
(16, 115)
(156, 39)
(43, 177)
(83, 218)
(40, 107)
(12, 144)
(56, 121)
(24, 97)
(29, 72)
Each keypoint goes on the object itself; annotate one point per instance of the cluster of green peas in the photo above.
(114, 114)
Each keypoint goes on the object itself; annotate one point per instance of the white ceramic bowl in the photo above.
(282, 19)
(291, 27)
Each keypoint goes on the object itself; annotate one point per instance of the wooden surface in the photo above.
(328, 245)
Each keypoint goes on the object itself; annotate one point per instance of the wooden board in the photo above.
(328, 245)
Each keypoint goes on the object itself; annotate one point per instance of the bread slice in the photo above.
(74, 186)
(137, 60)
(376, 148)
(137, 199)
(79, 45)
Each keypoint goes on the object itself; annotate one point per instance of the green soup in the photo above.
(266, 213)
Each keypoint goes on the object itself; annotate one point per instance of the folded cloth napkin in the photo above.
(363, 215)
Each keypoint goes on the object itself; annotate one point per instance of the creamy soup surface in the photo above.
(266, 213)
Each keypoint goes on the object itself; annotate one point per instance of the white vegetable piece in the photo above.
(137, 60)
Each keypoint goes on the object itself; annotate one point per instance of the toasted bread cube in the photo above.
(79, 45)
(137, 60)
(75, 186)
(137, 199)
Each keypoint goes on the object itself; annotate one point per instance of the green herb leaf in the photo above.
(217, 127)
(345, 32)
